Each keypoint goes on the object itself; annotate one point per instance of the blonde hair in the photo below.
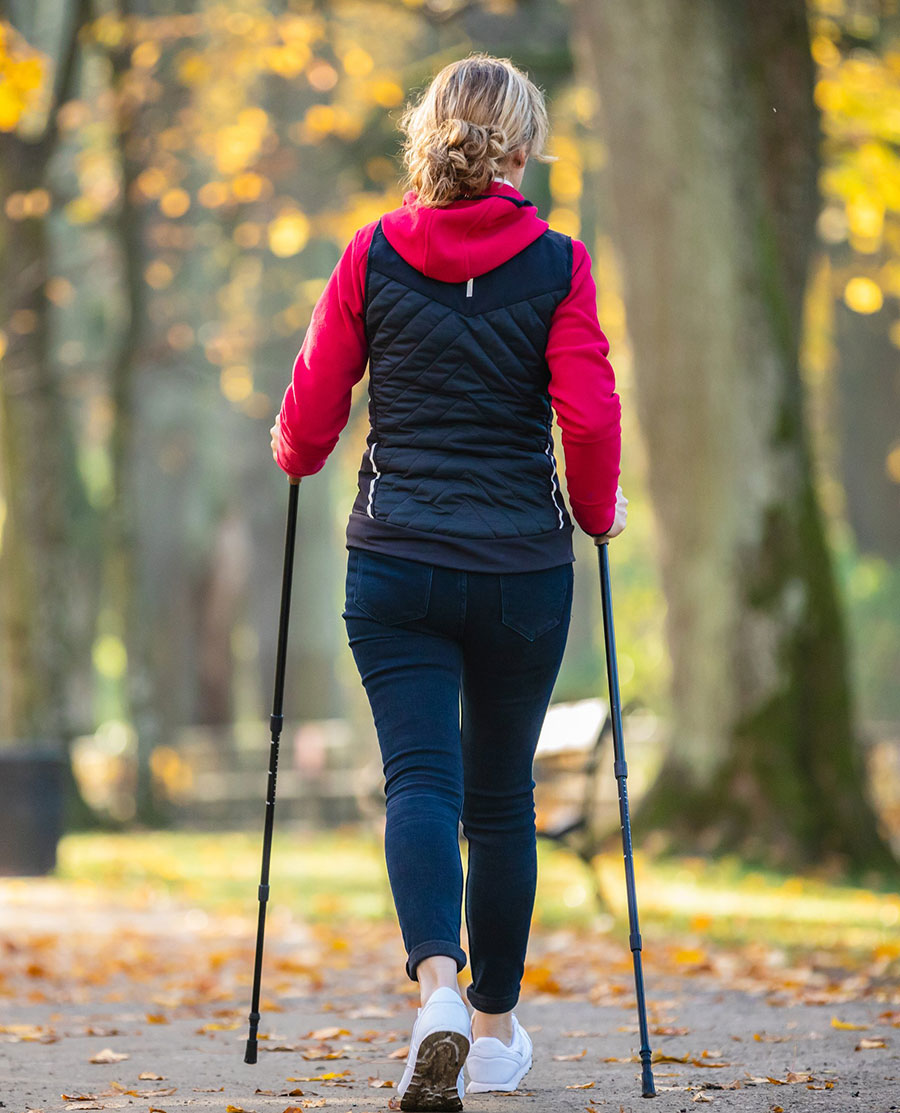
(464, 127)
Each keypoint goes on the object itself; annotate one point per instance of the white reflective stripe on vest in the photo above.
(374, 479)
(554, 485)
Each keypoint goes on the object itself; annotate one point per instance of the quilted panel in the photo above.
(460, 441)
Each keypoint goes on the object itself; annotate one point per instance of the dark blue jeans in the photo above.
(458, 668)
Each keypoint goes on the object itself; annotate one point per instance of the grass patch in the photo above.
(341, 873)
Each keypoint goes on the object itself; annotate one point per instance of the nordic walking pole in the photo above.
(648, 1090)
(275, 724)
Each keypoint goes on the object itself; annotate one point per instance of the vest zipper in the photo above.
(373, 480)
(469, 287)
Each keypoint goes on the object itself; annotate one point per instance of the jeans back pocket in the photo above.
(392, 589)
(532, 603)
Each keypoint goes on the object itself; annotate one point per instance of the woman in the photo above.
(478, 321)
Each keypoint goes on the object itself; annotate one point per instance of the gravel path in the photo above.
(165, 988)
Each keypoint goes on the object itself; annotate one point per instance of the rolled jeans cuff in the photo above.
(434, 947)
(492, 1004)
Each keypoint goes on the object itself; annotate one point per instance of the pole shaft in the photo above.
(275, 724)
(621, 772)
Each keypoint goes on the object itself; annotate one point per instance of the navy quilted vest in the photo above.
(459, 466)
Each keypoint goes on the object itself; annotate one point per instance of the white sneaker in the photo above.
(433, 1078)
(494, 1065)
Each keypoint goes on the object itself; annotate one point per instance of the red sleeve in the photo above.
(583, 393)
(331, 361)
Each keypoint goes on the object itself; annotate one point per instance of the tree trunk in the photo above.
(222, 590)
(124, 581)
(33, 427)
(713, 136)
(38, 475)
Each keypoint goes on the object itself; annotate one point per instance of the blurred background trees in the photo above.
(178, 179)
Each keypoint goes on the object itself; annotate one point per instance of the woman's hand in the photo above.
(618, 522)
(275, 434)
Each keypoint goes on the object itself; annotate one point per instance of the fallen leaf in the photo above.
(570, 1058)
(400, 1053)
(107, 1055)
(78, 1097)
(835, 1023)
(156, 1018)
(320, 1077)
(322, 1053)
(868, 1042)
(149, 1076)
(327, 1033)
(702, 1096)
(367, 1012)
(688, 956)
(580, 1086)
(541, 978)
(376, 1082)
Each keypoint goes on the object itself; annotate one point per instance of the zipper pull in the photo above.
(469, 287)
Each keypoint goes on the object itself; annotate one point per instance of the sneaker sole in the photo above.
(434, 1083)
(486, 1087)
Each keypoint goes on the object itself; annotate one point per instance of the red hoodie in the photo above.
(458, 241)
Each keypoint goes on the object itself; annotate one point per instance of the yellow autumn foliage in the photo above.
(22, 73)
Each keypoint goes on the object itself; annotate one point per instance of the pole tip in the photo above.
(648, 1090)
(250, 1053)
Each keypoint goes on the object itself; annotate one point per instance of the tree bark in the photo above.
(713, 136)
(39, 479)
(123, 571)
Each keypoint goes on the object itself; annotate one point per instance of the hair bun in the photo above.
(465, 155)
(463, 130)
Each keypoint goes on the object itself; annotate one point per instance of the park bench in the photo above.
(576, 794)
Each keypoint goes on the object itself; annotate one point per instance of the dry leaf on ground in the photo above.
(107, 1055)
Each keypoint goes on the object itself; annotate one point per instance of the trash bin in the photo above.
(31, 810)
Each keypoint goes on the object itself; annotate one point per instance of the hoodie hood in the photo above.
(466, 238)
